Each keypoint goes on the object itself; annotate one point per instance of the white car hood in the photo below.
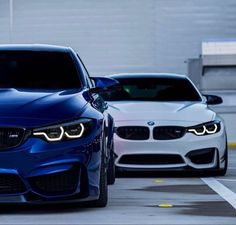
(189, 112)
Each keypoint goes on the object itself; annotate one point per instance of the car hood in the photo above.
(37, 108)
(191, 112)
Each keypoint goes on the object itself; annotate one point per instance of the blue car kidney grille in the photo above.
(10, 137)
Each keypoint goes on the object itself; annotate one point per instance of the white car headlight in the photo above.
(72, 130)
(205, 129)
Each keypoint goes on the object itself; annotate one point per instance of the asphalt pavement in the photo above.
(146, 199)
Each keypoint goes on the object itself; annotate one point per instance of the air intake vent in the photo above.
(151, 159)
(133, 132)
(11, 184)
(10, 137)
(57, 183)
(202, 156)
(168, 132)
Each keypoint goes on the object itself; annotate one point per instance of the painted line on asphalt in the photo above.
(231, 145)
(165, 205)
(231, 180)
(221, 190)
(158, 181)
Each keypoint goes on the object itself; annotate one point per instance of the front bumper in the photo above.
(38, 171)
(189, 151)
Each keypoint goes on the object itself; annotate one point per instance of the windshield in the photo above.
(154, 89)
(38, 70)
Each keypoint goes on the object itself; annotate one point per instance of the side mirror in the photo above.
(213, 99)
(104, 84)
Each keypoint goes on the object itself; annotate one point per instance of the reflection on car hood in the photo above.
(31, 108)
(164, 111)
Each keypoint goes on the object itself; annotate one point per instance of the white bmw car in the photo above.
(164, 123)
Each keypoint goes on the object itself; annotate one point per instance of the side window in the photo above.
(90, 82)
(86, 74)
(93, 83)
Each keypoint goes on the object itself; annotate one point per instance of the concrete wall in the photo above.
(122, 36)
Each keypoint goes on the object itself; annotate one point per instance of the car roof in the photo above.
(148, 75)
(34, 47)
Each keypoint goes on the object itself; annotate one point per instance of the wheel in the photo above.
(111, 170)
(103, 196)
(222, 172)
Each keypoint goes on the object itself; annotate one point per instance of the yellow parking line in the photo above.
(165, 205)
(158, 181)
(232, 145)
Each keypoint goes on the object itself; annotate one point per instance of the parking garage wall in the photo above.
(121, 36)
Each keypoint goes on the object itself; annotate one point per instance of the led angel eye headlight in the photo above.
(51, 134)
(198, 131)
(205, 129)
(75, 131)
(71, 130)
(211, 129)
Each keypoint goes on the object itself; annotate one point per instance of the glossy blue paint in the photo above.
(40, 107)
(35, 157)
(104, 83)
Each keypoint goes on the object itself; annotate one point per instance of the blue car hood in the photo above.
(23, 108)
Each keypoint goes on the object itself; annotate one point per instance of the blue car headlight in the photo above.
(72, 130)
(205, 129)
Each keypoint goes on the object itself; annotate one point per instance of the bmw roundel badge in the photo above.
(151, 123)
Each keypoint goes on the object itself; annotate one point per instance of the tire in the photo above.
(111, 170)
(103, 196)
(222, 172)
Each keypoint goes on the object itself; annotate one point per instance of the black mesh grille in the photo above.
(202, 156)
(11, 184)
(133, 132)
(151, 159)
(56, 183)
(168, 132)
(10, 137)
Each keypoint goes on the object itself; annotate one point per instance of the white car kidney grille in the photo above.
(168, 132)
(133, 132)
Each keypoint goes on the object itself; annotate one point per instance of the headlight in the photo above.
(205, 129)
(76, 129)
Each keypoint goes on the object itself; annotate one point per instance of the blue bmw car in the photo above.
(56, 137)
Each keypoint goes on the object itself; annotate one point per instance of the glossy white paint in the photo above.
(186, 114)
